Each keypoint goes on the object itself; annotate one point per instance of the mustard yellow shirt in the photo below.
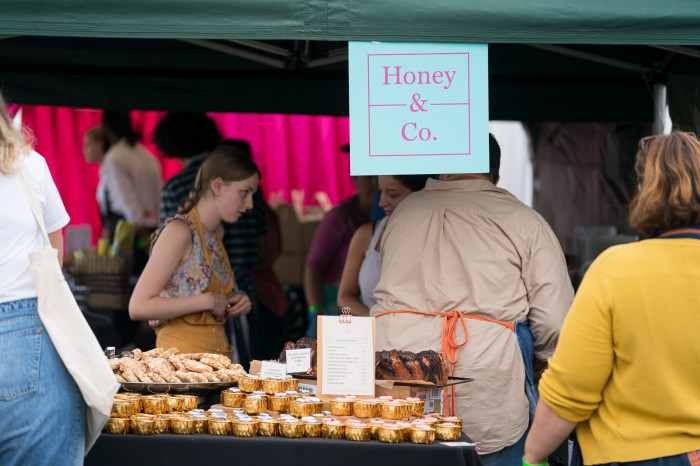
(627, 365)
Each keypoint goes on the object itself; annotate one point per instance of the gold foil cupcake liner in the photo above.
(187, 402)
(141, 426)
(232, 399)
(123, 408)
(394, 410)
(341, 407)
(365, 410)
(272, 386)
(244, 428)
(268, 428)
(448, 433)
(219, 426)
(155, 404)
(313, 429)
(389, 434)
(182, 425)
(300, 409)
(249, 384)
(291, 429)
(333, 431)
(201, 425)
(292, 384)
(254, 405)
(117, 425)
(278, 403)
(422, 436)
(357, 433)
(417, 407)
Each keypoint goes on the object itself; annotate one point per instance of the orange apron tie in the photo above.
(450, 347)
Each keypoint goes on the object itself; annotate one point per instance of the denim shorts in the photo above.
(42, 413)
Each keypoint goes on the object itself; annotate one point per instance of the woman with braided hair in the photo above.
(188, 283)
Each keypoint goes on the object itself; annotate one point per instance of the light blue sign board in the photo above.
(418, 108)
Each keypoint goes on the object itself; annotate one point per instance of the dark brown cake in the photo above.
(301, 343)
(428, 366)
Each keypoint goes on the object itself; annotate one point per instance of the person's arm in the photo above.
(549, 289)
(548, 431)
(325, 245)
(313, 289)
(56, 240)
(349, 289)
(174, 244)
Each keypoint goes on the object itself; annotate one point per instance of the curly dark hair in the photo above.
(184, 135)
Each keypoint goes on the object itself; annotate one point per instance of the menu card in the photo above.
(345, 355)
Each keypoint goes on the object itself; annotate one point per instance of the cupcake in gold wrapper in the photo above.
(312, 427)
(155, 404)
(188, 402)
(292, 383)
(333, 429)
(292, 394)
(421, 433)
(390, 433)
(305, 393)
(448, 431)
(268, 428)
(123, 408)
(161, 425)
(254, 404)
(291, 429)
(249, 383)
(374, 425)
(417, 406)
(219, 426)
(174, 404)
(366, 408)
(141, 426)
(244, 428)
(394, 410)
(132, 397)
(278, 402)
(357, 431)
(232, 399)
(453, 419)
(342, 406)
(301, 407)
(182, 425)
(117, 425)
(201, 424)
(274, 385)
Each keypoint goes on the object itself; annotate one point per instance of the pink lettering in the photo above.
(387, 75)
(403, 131)
(393, 75)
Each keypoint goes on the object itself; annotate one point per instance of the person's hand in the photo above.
(238, 304)
(220, 306)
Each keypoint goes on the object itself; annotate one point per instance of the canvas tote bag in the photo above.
(75, 342)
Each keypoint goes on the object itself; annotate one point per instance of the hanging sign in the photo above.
(418, 108)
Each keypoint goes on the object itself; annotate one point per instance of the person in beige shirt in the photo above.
(464, 244)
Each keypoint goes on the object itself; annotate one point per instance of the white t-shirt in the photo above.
(19, 231)
(131, 177)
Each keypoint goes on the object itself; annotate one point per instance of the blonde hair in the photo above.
(225, 162)
(13, 142)
(669, 183)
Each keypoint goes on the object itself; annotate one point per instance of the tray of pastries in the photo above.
(163, 370)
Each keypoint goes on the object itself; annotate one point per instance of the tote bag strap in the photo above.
(35, 207)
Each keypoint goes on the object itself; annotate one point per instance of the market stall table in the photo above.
(211, 450)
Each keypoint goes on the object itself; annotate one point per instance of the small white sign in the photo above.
(298, 360)
(308, 388)
(273, 369)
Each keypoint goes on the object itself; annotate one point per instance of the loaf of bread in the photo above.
(427, 366)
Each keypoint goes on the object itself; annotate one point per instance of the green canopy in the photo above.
(560, 60)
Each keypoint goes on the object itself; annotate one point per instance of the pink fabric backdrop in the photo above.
(293, 152)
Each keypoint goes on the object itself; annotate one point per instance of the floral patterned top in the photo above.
(194, 276)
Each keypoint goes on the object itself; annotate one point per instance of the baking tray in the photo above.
(407, 383)
(193, 388)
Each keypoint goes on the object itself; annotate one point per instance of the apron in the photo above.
(199, 332)
(450, 350)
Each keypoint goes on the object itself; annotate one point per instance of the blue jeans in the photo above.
(513, 454)
(42, 413)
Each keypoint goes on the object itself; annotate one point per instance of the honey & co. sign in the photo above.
(418, 108)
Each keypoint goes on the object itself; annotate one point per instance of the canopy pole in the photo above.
(236, 52)
(592, 57)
